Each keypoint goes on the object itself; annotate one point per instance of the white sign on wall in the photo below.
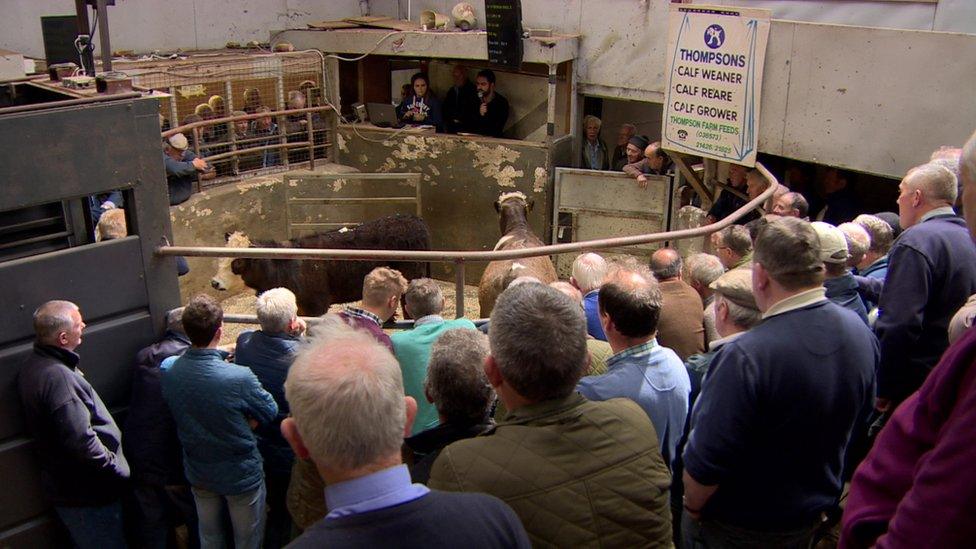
(715, 65)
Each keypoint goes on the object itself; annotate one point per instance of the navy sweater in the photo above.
(76, 439)
(931, 273)
(438, 519)
(150, 439)
(269, 356)
(776, 410)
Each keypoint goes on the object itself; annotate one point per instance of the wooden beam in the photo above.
(692, 178)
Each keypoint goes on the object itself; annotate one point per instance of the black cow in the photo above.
(317, 284)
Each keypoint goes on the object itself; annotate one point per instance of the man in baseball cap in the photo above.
(182, 166)
(838, 280)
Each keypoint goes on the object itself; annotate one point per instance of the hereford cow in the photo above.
(317, 284)
(512, 211)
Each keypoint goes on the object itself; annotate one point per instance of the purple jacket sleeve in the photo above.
(937, 510)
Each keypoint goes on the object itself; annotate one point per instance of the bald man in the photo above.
(682, 324)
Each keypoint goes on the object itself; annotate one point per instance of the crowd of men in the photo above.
(183, 166)
(796, 386)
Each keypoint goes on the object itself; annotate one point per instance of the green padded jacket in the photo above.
(577, 473)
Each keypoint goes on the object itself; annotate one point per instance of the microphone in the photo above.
(481, 96)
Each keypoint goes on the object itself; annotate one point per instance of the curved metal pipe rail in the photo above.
(460, 257)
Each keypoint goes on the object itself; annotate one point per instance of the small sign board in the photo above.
(715, 66)
(503, 23)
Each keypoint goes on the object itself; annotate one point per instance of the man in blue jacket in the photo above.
(268, 352)
(931, 273)
(216, 406)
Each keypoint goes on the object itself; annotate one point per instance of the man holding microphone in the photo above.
(492, 107)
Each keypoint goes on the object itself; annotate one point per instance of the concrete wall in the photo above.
(874, 100)
(462, 178)
(646, 116)
(569, 16)
(869, 99)
(147, 25)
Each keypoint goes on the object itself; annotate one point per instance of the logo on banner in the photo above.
(714, 36)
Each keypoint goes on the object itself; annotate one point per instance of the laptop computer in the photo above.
(383, 115)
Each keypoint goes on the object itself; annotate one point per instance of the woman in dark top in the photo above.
(421, 107)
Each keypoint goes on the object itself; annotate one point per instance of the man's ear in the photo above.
(760, 277)
(721, 309)
(498, 206)
(529, 203)
(289, 430)
(606, 322)
(411, 406)
(492, 372)
(427, 396)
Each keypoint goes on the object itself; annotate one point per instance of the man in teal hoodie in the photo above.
(424, 302)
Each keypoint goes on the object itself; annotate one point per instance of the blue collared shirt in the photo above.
(379, 490)
(362, 313)
(593, 154)
(653, 377)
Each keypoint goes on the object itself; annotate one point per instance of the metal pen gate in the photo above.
(591, 204)
(319, 202)
(53, 159)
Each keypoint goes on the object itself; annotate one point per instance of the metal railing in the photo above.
(234, 318)
(459, 258)
(239, 145)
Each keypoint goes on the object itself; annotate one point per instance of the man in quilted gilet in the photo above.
(577, 473)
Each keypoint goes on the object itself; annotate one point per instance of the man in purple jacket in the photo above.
(917, 486)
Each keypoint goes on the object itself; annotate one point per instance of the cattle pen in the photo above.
(461, 258)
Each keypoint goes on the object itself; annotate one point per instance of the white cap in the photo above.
(178, 141)
(833, 245)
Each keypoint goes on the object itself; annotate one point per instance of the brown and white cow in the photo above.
(317, 284)
(513, 209)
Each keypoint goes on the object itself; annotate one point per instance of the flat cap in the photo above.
(833, 245)
(640, 141)
(178, 141)
(736, 286)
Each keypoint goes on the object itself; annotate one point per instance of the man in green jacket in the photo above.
(424, 302)
(578, 473)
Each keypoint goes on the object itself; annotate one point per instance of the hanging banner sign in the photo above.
(715, 66)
